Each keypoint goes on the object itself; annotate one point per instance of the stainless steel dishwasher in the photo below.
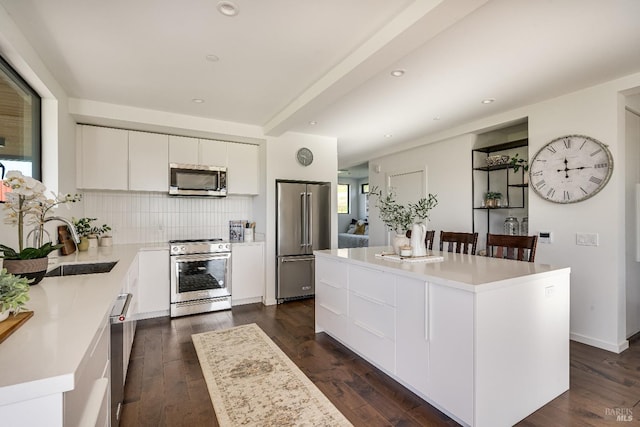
(117, 318)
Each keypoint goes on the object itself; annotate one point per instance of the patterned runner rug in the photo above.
(253, 383)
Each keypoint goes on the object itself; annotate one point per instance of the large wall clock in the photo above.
(570, 169)
(304, 156)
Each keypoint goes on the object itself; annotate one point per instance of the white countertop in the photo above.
(469, 272)
(42, 356)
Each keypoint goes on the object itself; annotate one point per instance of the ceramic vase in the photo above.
(398, 240)
(84, 243)
(4, 315)
(418, 234)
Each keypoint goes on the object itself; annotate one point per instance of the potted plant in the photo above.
(14, 293)
(27, 205)
(99, 231)
(84, 229)
(492, 199)
(400, 218)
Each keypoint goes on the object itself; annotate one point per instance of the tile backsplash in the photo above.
(137, 217)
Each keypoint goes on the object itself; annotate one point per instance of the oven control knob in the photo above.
(182, 248)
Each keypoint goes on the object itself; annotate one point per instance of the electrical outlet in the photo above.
(549, 291)
(587, 239)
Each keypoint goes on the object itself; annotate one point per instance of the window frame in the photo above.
(348, 199)
(36, 118)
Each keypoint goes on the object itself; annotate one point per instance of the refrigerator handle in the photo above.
(303, 220)
(310, 223)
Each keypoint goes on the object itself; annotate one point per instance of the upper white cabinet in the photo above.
(183, 149)
(102, 158)
(148, 161)
(242, 169)
(118, 159)
(213, 153)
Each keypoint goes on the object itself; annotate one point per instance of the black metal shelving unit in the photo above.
(505, 189)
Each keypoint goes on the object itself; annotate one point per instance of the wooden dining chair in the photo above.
(459, 242)
(522, 248)
(428, 238)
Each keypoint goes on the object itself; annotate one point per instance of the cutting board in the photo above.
(12, 323)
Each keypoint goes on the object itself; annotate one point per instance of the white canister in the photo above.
(248, 234)
(93, 241)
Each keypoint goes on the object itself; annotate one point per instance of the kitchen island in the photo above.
(484, 340)
(55, 367)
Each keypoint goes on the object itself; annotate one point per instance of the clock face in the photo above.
(304, 156)
(570, 169)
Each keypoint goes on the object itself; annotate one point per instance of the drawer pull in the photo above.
(370, 299)
(337, 313)
(368, 329)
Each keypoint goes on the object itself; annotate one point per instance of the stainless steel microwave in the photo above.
(197, 180)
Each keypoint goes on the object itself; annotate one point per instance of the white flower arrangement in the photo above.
(27, 205)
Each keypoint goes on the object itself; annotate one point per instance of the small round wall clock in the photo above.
(304, 156)
(570, 169)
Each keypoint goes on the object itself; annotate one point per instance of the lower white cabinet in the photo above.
(88, 403)
(153, 283)
(247, 273)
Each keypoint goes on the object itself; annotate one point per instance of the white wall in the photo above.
(282, 164)
(448, 166)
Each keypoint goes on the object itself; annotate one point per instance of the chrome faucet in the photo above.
(39, 230)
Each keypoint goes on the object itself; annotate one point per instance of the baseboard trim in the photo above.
(614, 348)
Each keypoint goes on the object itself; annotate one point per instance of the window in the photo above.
(364, 188)
(19, 124)
(343, 199)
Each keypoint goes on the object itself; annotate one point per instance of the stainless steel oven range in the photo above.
(200, 276)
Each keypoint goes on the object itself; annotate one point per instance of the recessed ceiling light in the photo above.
(197, 100)
(488, 100)
(313, 123)
(388, 135)
(212, 58)
(227, 8)
(398, 73)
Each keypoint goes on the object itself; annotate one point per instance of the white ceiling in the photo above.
(284, 63)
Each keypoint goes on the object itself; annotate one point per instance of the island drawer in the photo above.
(334, 273)
(372, 345)
(373, 284)
(377, 318)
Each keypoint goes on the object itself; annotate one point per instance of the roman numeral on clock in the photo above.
(599, 150)
(540, 184)
(595, 180)
(550, 148)
(567, 143)
(551, 192)
(566, 195)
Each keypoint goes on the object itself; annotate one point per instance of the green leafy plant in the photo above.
(492, 195)
(14, 292)
(518, 162)
(84, 227)
(397, 217)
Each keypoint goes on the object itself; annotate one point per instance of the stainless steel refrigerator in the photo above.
(303, 224)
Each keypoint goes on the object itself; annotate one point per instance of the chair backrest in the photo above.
(459, 242)
(522, 248)
(428, 238)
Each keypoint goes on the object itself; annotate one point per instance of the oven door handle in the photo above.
(201, 257)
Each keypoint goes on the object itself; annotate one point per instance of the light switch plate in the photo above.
(587, 239)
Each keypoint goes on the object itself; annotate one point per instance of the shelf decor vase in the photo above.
(418, 234)
(84, 243)
(4, 315)
(28, 268)
(398, 240)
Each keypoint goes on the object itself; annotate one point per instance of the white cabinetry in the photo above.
(88, 403)
(148, 161)
(332, 297)
(184, 150)
(213, 153)
(247, 273)
(129, 327)
(243, 168)
(153, 283)
(412, 341)
(102, 158)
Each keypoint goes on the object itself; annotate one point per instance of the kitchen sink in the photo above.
(75, 269)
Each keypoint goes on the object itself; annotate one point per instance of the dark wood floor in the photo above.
(165, 386)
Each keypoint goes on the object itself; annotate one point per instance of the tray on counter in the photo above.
(395, 257)
(12, 323)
